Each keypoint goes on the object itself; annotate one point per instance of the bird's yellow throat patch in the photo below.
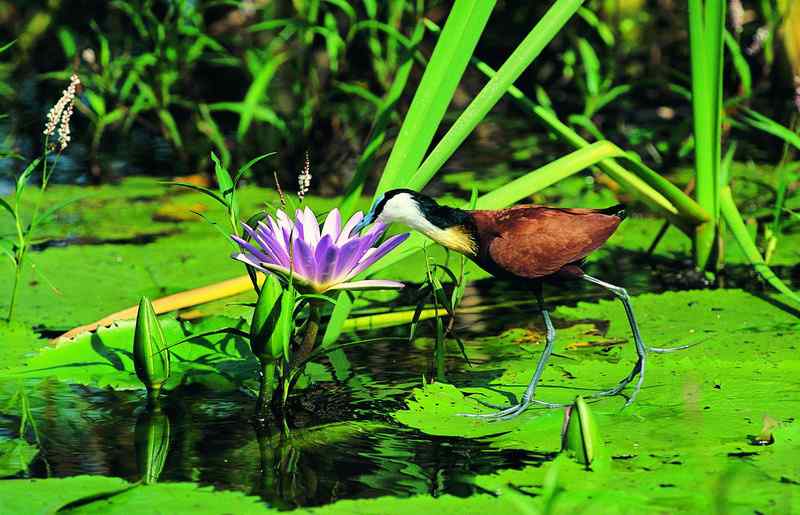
(455, 238)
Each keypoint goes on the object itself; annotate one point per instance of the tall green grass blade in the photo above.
(450, 57)
(740, 64)
(706, 28)
(5, 205)
(548, 175)
(257, 91)
(734, 221)
(544, 31)
(171, 126)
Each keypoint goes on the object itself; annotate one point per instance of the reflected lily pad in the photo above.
(15, 456)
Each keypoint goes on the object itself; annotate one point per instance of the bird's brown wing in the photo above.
(536, 241)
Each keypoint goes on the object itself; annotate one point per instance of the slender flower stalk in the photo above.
(317, 260)
(58, 119)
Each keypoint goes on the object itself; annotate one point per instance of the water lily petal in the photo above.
(370, 258)
(333, 224)
(283, 220)
(307, 221)
(276, 245)
(297, 280)
(344, 236)
(304, 265)
(368, 284)
(349, 255)
(325, 259)
(374, 234)
(248, 259)
(251, 249)
(256, 237)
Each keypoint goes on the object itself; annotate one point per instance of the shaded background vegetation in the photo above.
(167, 82)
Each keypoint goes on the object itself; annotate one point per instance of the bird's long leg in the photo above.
(638, 368)
(527, 397)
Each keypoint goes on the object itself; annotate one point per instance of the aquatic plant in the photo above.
(317, 260)
(311, 261)
(58, 126)
(151, 356)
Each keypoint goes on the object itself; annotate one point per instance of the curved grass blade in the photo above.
(734, 221)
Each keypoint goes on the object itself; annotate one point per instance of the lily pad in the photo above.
(46, 496)
(473, 505)
(18, 342)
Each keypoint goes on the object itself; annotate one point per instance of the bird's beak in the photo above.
(360, 226)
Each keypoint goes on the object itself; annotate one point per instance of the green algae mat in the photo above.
(380, 437)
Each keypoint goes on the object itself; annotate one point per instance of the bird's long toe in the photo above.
(511, 411)
(503, 414)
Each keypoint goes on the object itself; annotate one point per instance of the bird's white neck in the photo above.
(455, 238)
(404, 209)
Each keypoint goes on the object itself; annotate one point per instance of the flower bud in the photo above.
(579, 436)
(150, 354)
(272, 323)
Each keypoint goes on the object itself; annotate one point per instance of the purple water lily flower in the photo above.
(320, 260)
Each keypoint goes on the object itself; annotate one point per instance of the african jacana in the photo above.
(529, 243)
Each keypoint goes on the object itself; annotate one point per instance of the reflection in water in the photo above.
(151, 438)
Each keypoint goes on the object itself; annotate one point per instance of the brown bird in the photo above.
(529, 243)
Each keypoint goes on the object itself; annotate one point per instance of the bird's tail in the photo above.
(618, 211)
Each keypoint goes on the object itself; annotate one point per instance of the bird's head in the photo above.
(403, 206)
(448, 226)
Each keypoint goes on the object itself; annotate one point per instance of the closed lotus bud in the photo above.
(152, 444)
(150, 354)
(271, 326)
(579, 436)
